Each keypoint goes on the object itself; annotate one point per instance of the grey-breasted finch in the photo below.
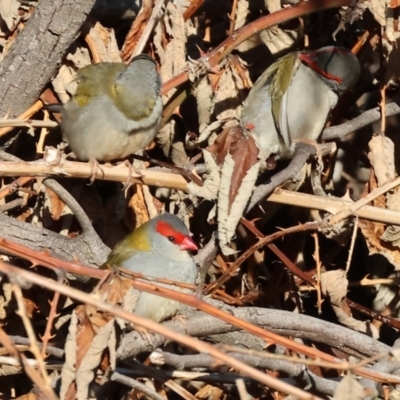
(115, 110)
(291, 100)
(160, 249)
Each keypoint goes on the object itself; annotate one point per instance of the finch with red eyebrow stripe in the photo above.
(292, 98)
(158, 249)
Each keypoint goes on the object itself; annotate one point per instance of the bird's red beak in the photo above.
(188, 244)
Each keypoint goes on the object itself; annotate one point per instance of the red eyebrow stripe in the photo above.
(166, 230)
(308, 60)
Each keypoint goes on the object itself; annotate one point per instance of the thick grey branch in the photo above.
(282, 322)
(387, 365)
(37, 52)
(366, 118)
(299, 372)
(292, 172)
(88, 249)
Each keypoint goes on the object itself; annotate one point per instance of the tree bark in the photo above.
(37, 52)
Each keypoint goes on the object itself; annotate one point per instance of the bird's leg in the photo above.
(131, 169)
(145, 335)
(182, 318)
(94, 168)
(314, 143)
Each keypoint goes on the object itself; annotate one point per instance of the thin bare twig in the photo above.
(27, 123)
(30, 371)
(261, 243)
(157, 328)
(216, 55)
(34, 348)
(365, 200)
(241, 387)
(341, 208)
(137, 25)
(24, 116)
(133, 383)
(352, 244)
(194, 6)
(383, 109)
(318, 265)
(52, 315)
(68, 169)
(232, 17)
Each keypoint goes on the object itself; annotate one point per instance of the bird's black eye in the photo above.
(171, 239)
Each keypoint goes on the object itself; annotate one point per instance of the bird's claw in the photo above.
(131, 169)
(95, 167)
(145, 335)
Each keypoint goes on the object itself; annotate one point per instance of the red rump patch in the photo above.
(166, 230)
(250, 126)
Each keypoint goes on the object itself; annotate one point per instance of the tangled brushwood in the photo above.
(199, 199)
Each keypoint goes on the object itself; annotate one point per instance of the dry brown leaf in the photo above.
(28, 396)
(172, 51)
(275, 38)
(378, 10)
(92, 359)
(30, 307)
(9, 14)
(219, 149)
(84, 334)
(392, 232)
(209, 190)
(204, 97)
(227, 97)
(91, 333)
(381, 156)
(68, 369)
(112, 291)
(334, 285)
(173, 56)
(242, 12)
(138, 207)
(103, 44)
(6, 370)
(64, 83)
(115, 290)
(348, 15)
(5, 298)
(25, 215)
(209, 392)
(215, 79)
(56, 205)
(240, 73)
(349, 388)
(240, 166)
(243, 150)
(219, 97)
(373, 231)
(392, 74)
(386, 300)
(84, 352)
(137, 29)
